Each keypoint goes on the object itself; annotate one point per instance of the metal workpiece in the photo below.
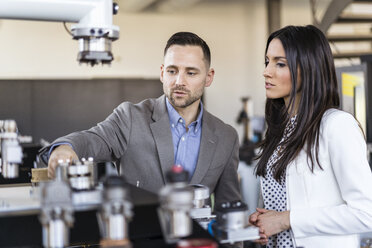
(201, 211)
(11, 150)
(81, 174)
(201, 194)
(56, 215)
(115, 214)
(232, 223)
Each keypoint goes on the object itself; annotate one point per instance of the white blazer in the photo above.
(328, 208)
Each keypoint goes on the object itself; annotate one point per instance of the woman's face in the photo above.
(278, 81)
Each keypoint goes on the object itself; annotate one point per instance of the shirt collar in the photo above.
(174, 116)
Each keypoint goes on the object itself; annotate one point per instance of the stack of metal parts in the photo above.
(82, 177)
(176, 202)
(201, 211)
(11, 150)
(56, 214)
(116, 212)
(232, 223)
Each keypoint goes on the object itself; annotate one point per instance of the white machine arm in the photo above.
(94, 28)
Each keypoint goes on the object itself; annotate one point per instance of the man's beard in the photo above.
(185, 102)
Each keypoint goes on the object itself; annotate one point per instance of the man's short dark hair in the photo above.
(191, 39)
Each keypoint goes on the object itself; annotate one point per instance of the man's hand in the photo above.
(272, 222)
(61, 152)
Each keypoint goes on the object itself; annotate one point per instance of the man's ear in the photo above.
(209, 78)
(161, 73)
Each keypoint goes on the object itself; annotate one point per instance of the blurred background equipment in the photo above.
(253, 127)
(11, 151)
(94, 29)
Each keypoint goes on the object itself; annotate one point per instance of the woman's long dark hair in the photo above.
(309, 56)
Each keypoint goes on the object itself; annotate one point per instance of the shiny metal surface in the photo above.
(201, 194)
(11, 150)
(56, 214)
(116, 210)
(176, 201)
(233, 220)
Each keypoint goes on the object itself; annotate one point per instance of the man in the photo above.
(148, 138)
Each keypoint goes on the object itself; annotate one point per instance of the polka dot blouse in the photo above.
(274, 192)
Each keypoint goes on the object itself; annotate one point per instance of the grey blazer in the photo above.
(139, 137)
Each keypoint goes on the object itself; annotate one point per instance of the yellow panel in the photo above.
(349, 81)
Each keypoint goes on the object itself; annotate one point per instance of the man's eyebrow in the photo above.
(192, 68)
(187, 68)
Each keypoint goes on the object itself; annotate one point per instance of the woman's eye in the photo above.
(266, 63)
(281, 64)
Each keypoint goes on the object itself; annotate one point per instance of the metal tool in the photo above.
(176, 201)
(56, 214)
(11, 150)
(232, 223)
(116, 212)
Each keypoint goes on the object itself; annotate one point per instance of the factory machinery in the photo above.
(75, 209)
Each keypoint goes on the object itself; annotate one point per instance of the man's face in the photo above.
(184, 75)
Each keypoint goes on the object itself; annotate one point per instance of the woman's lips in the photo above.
(268, 85)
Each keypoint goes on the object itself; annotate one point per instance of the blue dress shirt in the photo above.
(186, 144)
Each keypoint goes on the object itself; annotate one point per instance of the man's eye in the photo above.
(191, 73)
(171, 71)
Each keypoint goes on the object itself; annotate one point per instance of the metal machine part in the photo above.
(94, 29)
(232, 223)
(176, 202)
(116, 212)
(81, 174)
(56, 214)
(11, 150)
(201, 211)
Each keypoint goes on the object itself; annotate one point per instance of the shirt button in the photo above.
(181, 120)
(172, 125)
(183, 138)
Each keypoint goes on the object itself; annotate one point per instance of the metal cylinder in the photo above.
(176, 203)
(232, 216)
(116, 227)
(201, 194)
(80, 175)
(11, 151)
(56, 234)
(10, 170)
(116, 210)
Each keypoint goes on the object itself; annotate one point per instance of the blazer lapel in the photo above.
(160, 129)
(208, 146)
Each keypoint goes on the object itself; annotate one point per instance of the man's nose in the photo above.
(180, 79)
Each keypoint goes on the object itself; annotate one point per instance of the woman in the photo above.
(315, 179)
